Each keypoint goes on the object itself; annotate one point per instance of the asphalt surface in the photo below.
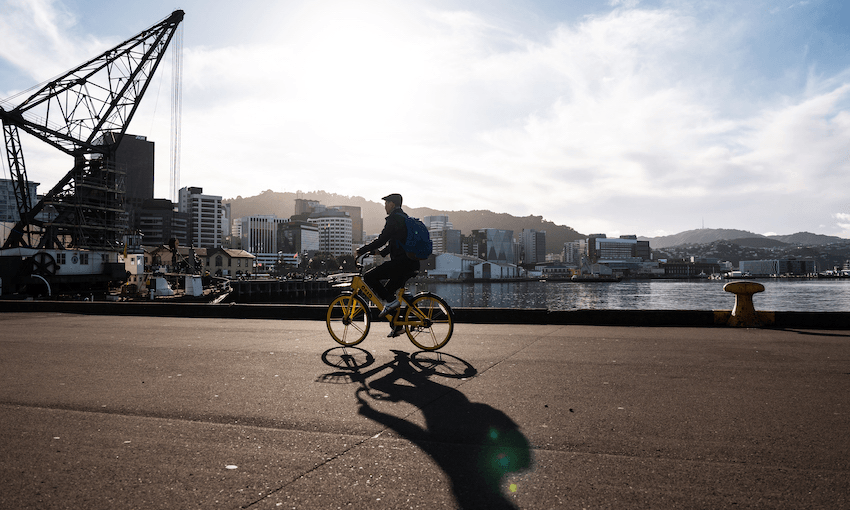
(139, 412)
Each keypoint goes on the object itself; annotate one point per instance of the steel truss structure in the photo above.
(84, 113)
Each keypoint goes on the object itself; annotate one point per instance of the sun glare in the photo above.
(356, 71)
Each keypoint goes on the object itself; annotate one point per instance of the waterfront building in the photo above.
(493, 245)
(613, 249)
(532, 246)
(159, 222)
(207, 218)
(595, 269)
(229, 262)
(334, 231)
(557, 271)
(601, 248)
(453, 266)
(439, 227)
(161, 258)
(688, 269)
(593, 246)
(629, 266)
(259, 237)
(339, 226)
(450, 241)
(356, 216)
(297, 241)
(777, 267)
(573, 252)
(135, 157)
(438, 241)
(493, 271)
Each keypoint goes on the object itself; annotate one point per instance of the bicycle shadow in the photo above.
(476, 445)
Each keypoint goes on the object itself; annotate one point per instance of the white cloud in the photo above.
(624, 3)
(38, 38)
(632, 120)
(843, 222)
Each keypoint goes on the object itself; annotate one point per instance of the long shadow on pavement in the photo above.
(475, 444)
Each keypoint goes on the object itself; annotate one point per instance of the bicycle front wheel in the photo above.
(434, 329)
(348, 319)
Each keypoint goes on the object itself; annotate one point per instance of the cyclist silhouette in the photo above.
(400, 267)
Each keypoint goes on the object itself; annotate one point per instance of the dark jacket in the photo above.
(393, 235)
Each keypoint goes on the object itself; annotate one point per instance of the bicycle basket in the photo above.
(341, 279)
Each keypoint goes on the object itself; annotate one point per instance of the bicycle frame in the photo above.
(426, 318)
(359, 287)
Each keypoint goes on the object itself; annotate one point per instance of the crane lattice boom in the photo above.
(83, 113)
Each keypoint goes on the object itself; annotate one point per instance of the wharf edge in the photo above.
(699, 318)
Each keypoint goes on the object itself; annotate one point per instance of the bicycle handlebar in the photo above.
(358, 261)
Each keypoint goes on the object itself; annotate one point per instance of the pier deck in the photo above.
(102, 411)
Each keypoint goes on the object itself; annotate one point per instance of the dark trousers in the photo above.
(396, 272)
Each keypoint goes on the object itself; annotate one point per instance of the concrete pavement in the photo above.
(143, 412)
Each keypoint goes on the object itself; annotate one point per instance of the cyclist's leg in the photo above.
(404, 270)
(373, 279)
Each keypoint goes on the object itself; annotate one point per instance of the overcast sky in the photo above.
(620, 117)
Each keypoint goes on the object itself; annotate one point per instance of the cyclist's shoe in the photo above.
(396, 331)
(388, 309)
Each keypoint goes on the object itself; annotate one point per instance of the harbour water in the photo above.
(804, 295)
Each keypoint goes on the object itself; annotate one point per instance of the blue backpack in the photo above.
(418, 245)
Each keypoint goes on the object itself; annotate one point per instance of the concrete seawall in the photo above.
(781, 320)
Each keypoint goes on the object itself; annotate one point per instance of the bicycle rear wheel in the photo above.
(348, 319)
(435, 330)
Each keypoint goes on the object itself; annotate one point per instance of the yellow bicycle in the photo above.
(427, 318)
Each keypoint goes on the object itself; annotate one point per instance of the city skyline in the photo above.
(625, 117)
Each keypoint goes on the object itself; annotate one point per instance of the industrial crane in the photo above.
(84, 113)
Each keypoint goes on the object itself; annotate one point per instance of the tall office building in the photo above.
(135, 157)
(307, 207)
(334, 231)
(207, 218)
(573, 252)
(260, 237)
(599, 247)
(356, 222)
(533, 246)
(438, 228)
(159, 223)
(493, 245)
(297, 241)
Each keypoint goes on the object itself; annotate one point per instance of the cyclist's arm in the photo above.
(390, 229)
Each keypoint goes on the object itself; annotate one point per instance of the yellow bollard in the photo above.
(744, 314)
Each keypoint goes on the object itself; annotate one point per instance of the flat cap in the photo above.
(394, 198)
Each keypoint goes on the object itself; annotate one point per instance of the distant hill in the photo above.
(758, 242)
(699, 236)
(808, 239)
(282, 204)
(742, 237)
(825, 256)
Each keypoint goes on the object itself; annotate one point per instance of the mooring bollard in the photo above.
(744, 314)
